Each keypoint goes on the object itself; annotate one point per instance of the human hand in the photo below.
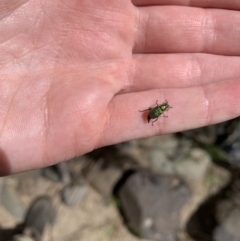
(74, 74)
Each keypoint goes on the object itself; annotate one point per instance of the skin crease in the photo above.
(74, 73)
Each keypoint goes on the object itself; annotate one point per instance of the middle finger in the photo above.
(167, 29)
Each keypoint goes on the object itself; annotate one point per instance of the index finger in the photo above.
(231, 4)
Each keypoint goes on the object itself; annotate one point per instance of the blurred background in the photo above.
(178, 187)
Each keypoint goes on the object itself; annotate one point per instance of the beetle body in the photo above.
(158, 110)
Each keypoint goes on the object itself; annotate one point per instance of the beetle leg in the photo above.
(165, 115)
(154, 121)
(145, 110)
(157, 103)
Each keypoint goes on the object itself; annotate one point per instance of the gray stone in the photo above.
(229, 229)
(188, 162)
(73, 193)
(103, 179)
(231, 147)
(162, 152)
(151, 204)
(11, 200)
(64, 172)
(218, 218)
(51, 174)
(195, 166)
(160, 161)
(58, 173)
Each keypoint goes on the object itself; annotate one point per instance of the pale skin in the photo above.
(75, 73)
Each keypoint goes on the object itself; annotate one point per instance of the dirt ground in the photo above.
(94, 219)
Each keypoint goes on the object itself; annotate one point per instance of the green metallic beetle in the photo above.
(155, 112)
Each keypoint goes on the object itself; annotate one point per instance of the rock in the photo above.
(151, 204)
(229, 229)
(58, 173)
(231, 147)
(11, 200)
(73, 193)
(103, 178)
(178, 157)
(51, 174)
(221, 140)
(64, 172)
(160, 161)
(218, 218)
(195, 166)
(162, 152)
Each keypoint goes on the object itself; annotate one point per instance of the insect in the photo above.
(155, 112)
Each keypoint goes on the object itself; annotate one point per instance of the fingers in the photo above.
(181, 70)
(169, 29)
(191, 108)
(231, 4)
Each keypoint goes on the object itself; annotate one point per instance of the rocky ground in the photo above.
(152, 188)
(93, 219)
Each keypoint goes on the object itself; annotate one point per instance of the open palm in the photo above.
(74, 73)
